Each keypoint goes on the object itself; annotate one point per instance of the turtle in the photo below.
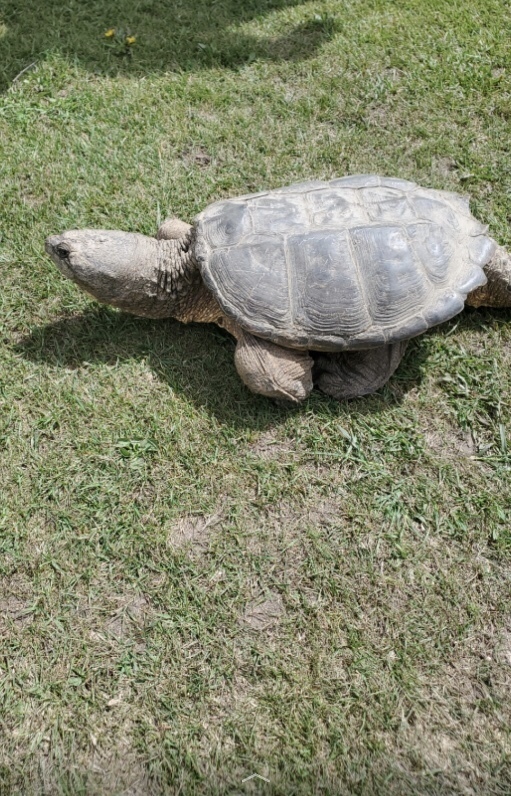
(322, 283)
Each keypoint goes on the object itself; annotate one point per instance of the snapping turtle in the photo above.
(320, 282)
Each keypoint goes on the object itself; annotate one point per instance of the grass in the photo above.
(197, 584)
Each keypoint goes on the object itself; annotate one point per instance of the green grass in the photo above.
(195, 583)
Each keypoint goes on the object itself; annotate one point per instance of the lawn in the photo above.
(198, 584)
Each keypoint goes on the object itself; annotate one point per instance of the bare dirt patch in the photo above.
(14, 610)
(270, 448)
(133, 611)
(443, 166)
(451, 443)
(377, 116)
(193, 531)
(196, 156)
(114, 618)
(326, 513)
(263, 615)
(16, 604)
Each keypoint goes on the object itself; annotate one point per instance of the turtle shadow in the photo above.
(197, 361)
(168, 35)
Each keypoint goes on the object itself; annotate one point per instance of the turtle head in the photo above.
(117, 268)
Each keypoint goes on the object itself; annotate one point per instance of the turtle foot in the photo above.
(271, 370)
(350, 374)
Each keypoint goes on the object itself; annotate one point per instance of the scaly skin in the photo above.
(195, 303)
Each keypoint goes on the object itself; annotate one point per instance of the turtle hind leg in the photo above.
(497, 291)
(350, 374)
(271, 370)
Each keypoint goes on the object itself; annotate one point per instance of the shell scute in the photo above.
(401, 185)
(481, 249)
(387, 204)
(321, 291)
(404, 330)
(428, 208)
(434, 250)
(331, 207)
(447, 306)
(474, 278)
(228, 223)
(394, 286)
(459, 203)
(278, 214)
(378, 194)
(249, 273)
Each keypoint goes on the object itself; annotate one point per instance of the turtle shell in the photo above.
(348, 264)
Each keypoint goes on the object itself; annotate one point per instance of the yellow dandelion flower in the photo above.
(110, 33)
(130, 40)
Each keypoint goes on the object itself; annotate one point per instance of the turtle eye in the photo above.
(62, 252)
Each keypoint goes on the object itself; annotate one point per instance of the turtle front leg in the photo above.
(350, 374)
(173, 229)
(271, 370)
(497, 291)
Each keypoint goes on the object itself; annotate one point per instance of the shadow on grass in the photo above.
(196, 361)
(171, 35)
